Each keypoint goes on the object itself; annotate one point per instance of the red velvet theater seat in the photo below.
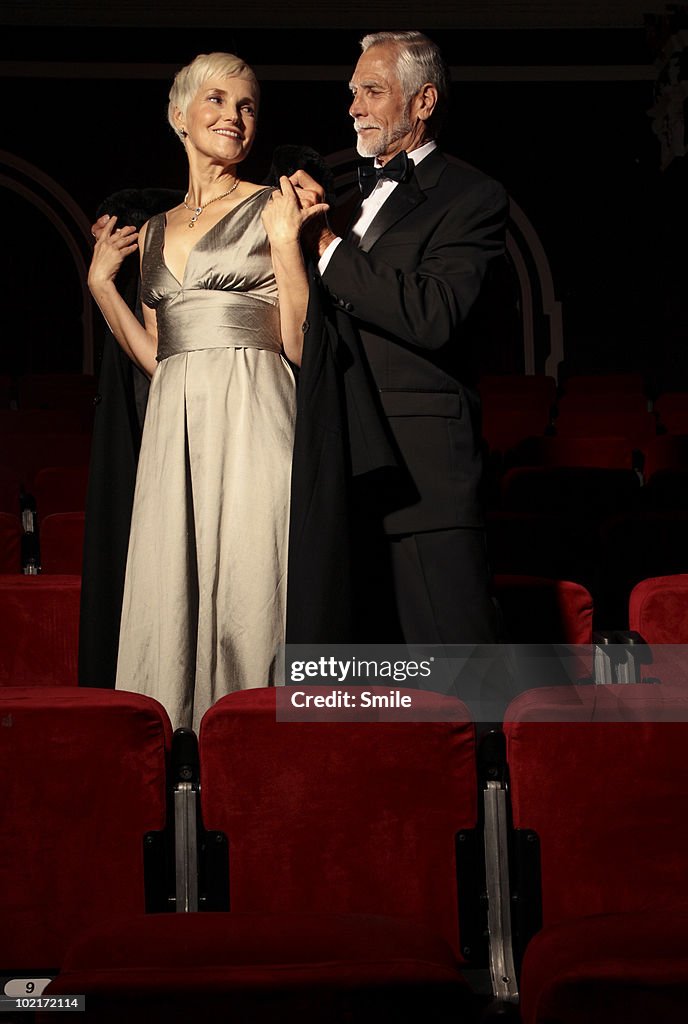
(26, 453)
(666, 452)
(672, 408)
(62, 542)
(599, 780)
(597, 971)
(342, 842)
(251, 968)
(507, 422)
(9, 491)
(658, 610)
(60, 489)
(83, 779)
(10, 543)
(39, 630)
(635, 426)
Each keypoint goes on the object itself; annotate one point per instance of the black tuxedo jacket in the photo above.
(417, 287)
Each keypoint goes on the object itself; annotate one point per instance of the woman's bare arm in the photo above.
(139, 342)
(284, 217)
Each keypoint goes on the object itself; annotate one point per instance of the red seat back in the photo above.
(672, 409)
(634, 426)
(83, 779)
(658, 609)
(39, 630)
(9, 490)
(342, 817)
(60, 489)
(26, 453)
(10, 543)
(600, 774)
(669, 451)
(62, 542)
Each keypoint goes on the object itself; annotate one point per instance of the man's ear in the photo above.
(426, 101)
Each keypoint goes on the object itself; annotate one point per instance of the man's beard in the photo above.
(379, 140)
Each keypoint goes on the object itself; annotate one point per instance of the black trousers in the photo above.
(427, 588)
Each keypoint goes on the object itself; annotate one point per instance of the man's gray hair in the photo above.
(418, 61)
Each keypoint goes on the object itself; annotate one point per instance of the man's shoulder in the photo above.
(453, 173)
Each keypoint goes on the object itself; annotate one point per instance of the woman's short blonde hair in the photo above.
(189, 80)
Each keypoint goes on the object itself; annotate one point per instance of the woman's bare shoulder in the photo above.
(249, 189)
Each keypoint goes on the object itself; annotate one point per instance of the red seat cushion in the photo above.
(613, 969)
(302, 967)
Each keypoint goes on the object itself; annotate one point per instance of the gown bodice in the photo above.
(227, 297)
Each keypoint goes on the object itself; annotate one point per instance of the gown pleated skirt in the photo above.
(205, 591)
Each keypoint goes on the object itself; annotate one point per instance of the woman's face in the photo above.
(221, 119)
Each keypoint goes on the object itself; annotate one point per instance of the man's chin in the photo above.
(366, 147)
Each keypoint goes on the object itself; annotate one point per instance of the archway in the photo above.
(68, 220)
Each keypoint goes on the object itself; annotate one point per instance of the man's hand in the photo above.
(100, 225)
(308, 189)
(316, 234)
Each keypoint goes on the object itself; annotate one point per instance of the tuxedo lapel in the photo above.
(403, 199)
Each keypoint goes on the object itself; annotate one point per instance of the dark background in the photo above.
(85, 102)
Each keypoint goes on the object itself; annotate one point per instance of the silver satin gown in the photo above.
(205, 589)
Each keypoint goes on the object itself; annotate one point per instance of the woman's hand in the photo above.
(318, 235)
(287, 212)
(112, 247)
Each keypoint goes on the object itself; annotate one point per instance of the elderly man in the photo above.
(412, 273)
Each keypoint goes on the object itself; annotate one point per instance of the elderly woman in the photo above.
(224, 294)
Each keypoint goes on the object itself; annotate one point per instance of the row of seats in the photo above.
(519, 407)
(605, 554)
(649, 457)
(39, 620)
(53, 488)
(349, 870)
(23, 456)
(61, 544)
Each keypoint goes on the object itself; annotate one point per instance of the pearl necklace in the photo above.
(198, 210)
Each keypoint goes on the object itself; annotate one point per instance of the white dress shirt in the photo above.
(371, 206)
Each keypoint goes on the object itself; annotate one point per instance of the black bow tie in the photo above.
(398, 169)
